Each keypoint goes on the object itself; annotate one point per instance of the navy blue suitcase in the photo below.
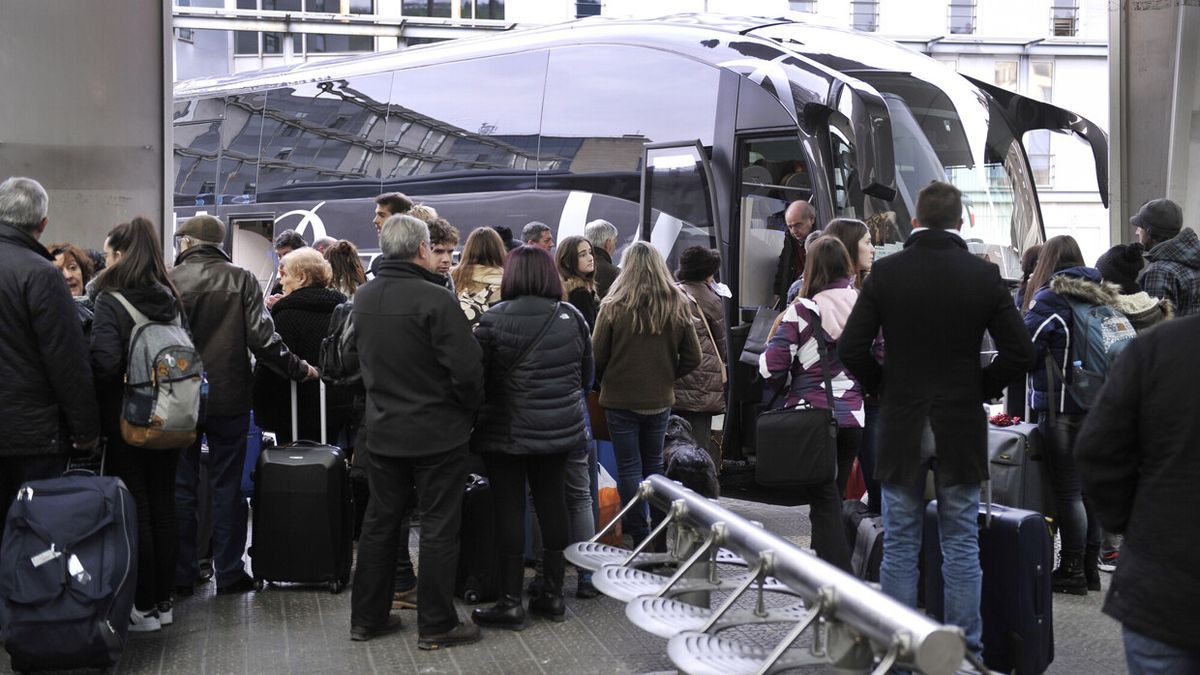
(67, 573)
(1016, 555)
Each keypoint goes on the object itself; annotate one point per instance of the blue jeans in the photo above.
(958, 513)
(1147, 656)
(227, 456)
(638, 444)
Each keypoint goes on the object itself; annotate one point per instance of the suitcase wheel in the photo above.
(471, 596)
(260, 585)
(335, 587)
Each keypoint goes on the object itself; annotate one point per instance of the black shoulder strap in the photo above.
(537, 340)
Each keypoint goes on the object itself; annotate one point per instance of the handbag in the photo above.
(760, 334)
(797, 447)
(596, 415)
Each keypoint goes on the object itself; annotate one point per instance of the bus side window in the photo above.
(773, 175)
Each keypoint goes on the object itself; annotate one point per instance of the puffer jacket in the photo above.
(533, 407)
(45, 377)
(1173, 272)
(1051, 328)
(302, 319)
(703, 389)
(225, 310)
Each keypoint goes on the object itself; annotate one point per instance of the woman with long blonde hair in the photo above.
(644, 340)
(479, 272)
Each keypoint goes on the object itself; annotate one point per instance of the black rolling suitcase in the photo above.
(477, 578)
(303, 513)
(864, 536)
(1016, 556)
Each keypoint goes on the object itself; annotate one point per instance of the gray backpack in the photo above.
(160, 408)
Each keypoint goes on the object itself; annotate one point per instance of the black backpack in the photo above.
(339, 355)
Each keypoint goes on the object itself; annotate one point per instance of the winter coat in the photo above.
(302, 320)
(1173, 272)
(583, 298)
(112, 328)
(1137, 458)
(637, 371)
(533, 407)
(225, 312)
(793, 350)
(45, 377)
(703, 389)
(1144, 311)
(481, 292)
(1051, 327)
(422, 369)
(790, 267)
(606, 272)
(934, 300)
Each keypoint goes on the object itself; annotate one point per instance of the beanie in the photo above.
(1162, 218)
(698, 263)
(1121, 264)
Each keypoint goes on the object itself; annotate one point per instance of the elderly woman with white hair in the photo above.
(301, 318)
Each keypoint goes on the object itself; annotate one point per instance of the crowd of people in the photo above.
(486, 365)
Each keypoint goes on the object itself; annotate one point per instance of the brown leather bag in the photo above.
(596, 415)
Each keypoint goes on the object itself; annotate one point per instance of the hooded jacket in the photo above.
(703, 390)
(1142, 310)
(1051, 327)
(225, 312)
(1173, 272)
(302, 320)
(112, 328)
(583, 297)
(533, 407)
(45, 377)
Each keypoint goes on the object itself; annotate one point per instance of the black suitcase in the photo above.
(1016, 557)
(477, 578)
(303, 515)
(1019, 468)
(864, 536)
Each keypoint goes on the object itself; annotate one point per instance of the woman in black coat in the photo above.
(302, 319)
(537, 359)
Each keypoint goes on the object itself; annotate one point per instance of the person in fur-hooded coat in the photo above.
(1120, 266)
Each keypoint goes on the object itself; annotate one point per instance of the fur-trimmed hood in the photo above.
(571, 283)
(1144, 311)
(1083, 283)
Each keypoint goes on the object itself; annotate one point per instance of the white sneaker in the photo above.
(166, 613)
(144, 622)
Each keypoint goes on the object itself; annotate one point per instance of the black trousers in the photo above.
(825, 505)
(546, 475)
(17, 470)
(439, 498)
(150, 477)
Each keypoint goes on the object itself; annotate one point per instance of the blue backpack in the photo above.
(1100, 334)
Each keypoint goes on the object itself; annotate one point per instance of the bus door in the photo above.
(251, 245)
(678, 201)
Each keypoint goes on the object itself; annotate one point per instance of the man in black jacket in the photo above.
(225, 313)
(934, 300)
(1139, 458)
(45, 375)
(603, 236)
(800, 218)
(423, 374)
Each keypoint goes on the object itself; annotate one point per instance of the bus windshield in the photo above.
(970, 145)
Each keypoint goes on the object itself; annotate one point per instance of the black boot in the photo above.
(508, 612)
(1091, 567)
(1068, 578)
(550, 603)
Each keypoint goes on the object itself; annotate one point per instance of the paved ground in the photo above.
(306, 630)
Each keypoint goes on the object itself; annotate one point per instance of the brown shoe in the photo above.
(364, 633)
(405, 599)
(462, 634)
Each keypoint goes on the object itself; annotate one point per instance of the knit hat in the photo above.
(1162, 218)
(203, 228)
(1121, 264)
(698, 263)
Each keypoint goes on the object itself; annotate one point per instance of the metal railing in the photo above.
(855, 627)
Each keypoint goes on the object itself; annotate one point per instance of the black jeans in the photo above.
(546, 475)
(17, 470)
(1079, 529)
(227, 458)
(439, 499)
(866, 455)
(825, 505)
(150, 477)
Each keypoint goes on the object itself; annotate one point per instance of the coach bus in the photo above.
(682, 130)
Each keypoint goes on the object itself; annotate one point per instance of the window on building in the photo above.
(185, 34)
(585, 8)
(434, 8)
(1006, 75)
(962, 17)
(249, 42)
(809, 6)
(864, 15)
(483, 9)
(1064, 18)
(1037, 143)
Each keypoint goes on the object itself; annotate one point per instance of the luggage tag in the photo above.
(75, 569)
(45, 556)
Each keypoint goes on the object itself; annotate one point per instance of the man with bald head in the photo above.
(800, 218)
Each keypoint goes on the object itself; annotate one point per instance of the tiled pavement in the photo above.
(306, 630)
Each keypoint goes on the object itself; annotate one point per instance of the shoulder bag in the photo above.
(760, 334)
(797, 447)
